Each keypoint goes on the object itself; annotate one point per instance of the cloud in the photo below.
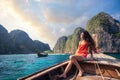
(116, 16)
(65, 11)
(28, 19)
(40, 27)
(47, 20)
(60, 18)
(61, 11)
(47, 31)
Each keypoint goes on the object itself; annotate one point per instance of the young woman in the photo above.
(86, 44)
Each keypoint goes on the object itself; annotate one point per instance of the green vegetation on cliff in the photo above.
(117, 35)
(70, 44)
(73, 40)
(107, 30)
(60, 45)
(101, 21)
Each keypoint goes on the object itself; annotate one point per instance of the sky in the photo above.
(48, 20)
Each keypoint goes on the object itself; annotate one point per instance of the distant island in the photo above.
(18, 42)
(103, 25)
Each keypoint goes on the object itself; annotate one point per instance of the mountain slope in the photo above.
(107, 30)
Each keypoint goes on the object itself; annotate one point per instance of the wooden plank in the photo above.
(104, 59)
(98, 58)
(101, 59)
(111, 60)
(93, 77)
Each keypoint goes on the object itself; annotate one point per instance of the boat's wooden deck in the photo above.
(90, 77)
(94, 77)
(101, 59)
(105, 59)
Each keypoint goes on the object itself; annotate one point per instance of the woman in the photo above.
(86, 43)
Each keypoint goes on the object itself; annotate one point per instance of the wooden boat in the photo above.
(42, 54)
(94, 70)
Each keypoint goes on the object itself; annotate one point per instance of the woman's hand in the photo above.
(97, 50)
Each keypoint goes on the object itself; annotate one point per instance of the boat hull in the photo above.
(42, 55)
(90, 68)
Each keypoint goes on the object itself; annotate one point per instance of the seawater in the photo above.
(116, 55)
(15, 66)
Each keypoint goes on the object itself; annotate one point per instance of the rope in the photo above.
(99, 70)
(74, 77)
(117, 72)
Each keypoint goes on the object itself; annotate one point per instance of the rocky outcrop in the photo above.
(107, 30)
(60, 45)
(6, 44)
(18, 41)
(41, 46)
(68, 44)
(73, 40)
(23, 42)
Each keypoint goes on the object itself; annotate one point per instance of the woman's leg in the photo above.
(73, 60)
(66, 69)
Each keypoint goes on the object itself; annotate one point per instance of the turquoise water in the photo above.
(116, 55)
(16, 66)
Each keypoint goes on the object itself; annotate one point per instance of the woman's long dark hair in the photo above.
(87, 37)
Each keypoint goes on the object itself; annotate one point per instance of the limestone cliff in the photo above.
(68, 44)
(6, 43)
(18, 41)
(73, 40)
(60, 45)
(40, 46)
(107, 30)
(23, 42)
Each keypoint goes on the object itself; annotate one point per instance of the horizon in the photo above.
(47, 20)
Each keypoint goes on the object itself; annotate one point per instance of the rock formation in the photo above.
(60, 45)
(41, 46)
(6, 43)
(23, 42)
(107, 30)
(18, 41)
(68, 44)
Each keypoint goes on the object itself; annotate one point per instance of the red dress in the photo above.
(83, 49)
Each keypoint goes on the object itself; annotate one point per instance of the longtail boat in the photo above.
(42, 54)
(105, 68)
